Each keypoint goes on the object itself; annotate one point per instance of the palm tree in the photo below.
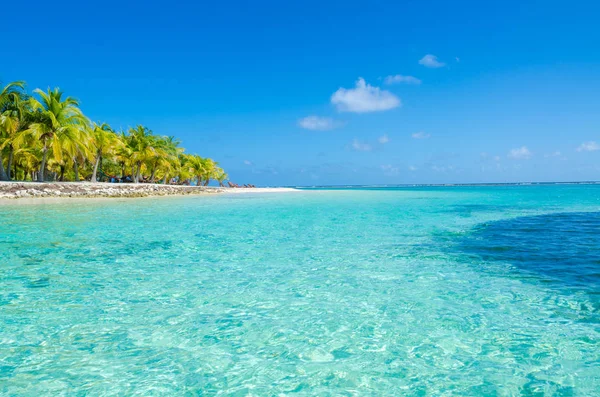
(9, 95)
(105, 143)
(195, 165)
(160, 156)
(169, 161)
(75, 145)
(13, 122)
(59, 120)
(49, 133)
(209, 170)
(140, 142)
(220, 176)
(28, 159)
(123, 153)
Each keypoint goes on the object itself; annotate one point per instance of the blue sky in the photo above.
(333, 92)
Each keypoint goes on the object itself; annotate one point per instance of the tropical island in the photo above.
(46, 138)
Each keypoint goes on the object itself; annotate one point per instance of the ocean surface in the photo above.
(438, 291)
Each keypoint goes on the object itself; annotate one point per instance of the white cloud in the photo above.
(247, 162)
(412, 168)
(431, 61)
(397, 79)
(420, 135)
(364, 98)
(317, 123)
(497, 158)
(384, 139)
(590, 146)
(361, 146)
(521, 153)
(390, 170)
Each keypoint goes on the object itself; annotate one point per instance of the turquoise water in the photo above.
(469, 291)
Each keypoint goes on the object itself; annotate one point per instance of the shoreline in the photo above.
(11, 192)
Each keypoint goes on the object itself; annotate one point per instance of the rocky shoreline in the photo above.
(17, 190)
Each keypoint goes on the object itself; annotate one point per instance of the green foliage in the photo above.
(47, 137)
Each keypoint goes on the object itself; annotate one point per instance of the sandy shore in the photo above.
(9, 191)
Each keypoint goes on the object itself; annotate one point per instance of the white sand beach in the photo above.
(33, 191)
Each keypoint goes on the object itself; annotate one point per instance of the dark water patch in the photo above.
(7, 299)
(467, 210)
(41, 282)
(557, 248)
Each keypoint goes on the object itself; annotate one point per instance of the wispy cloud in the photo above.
(384, 139)
(420, 135)
(400, 79)
(521, 153)
(442, 168)
(361, 146)
(431, 61)
(390, 170)
(487, 157)
(553, 154)
(247, 162)
(364, 98)
(590, 146)
(412, 168)
(316, 123)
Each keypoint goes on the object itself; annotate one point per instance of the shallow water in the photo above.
(421, 291)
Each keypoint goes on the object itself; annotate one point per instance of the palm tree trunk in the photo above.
(165, 180)
(137, 174)
(10, 160)
(62, 173)
(3, 176)
(153, 171)
(43, 165)
(206, 181)
(94, 178)
(76, 170)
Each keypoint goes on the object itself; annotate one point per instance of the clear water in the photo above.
(470, 291)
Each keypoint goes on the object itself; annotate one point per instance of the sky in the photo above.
(332, 92)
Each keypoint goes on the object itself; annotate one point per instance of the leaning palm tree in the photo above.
(209, 170)
(195, 165)
(106, 143)
(160, 155)
(74, 146)
(13, 121)
(140, 142)
(9, 95)
(220, 176)
(168, 151)
(168, 164)
(56, 117)
(123, 153)
(27, 159)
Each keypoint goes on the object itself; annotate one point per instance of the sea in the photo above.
(395, 291)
